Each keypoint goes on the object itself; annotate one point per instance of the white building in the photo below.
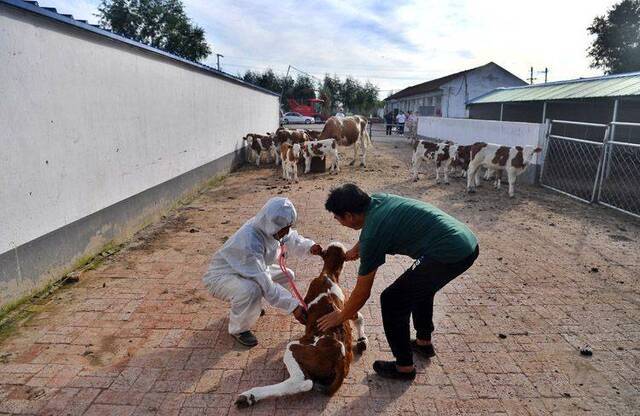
(449, 95)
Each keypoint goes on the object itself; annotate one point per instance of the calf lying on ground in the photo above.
(318, 358)
(259, 144)
(514, 160)
(321, 148)
(290, 155)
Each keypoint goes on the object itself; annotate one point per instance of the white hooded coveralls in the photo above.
(243, 270)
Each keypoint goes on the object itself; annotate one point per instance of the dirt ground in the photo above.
(140, 335)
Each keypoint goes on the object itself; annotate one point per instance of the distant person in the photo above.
(412, 124)
(340, 114)
(388, 118)
(400, 119)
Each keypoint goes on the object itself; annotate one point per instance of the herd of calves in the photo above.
(470, 158)
(290, 146)
(286, 146)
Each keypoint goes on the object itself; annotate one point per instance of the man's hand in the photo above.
(316, 250)
(300, 314)
(330, 320)
(353, 254)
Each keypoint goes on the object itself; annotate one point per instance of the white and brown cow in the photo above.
(322, 149)
(513, 160)
(349, 131)
(290, 155)
(320, 358)
(257, 144)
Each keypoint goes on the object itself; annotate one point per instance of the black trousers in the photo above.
(389, 127)
(412, 295)
(400, 128)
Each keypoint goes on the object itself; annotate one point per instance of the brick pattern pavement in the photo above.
(141, 336)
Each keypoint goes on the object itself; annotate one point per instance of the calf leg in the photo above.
(362, 341)
(296, 383)
(307, 163)
(471, 176)
(355, 154)
(363, 150)
(447, 165)
(437, 172)
(415, 167)
(511, 174)
(258, 156)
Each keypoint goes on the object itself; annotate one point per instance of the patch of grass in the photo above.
(20, 311)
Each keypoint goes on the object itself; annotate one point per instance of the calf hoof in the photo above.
(243, 401)
(471, 191)
(361, 345)
(437, 180)
(512, 196)
(363, 165)
(447, 183)
(353, 162)
(415, 179)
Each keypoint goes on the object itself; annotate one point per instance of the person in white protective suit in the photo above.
(243, 270)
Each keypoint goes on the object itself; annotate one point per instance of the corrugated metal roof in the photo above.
(52, 13)
(619, 85)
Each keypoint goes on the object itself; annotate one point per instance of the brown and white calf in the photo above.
(349, 131)
(424, 150)
(290, 155)
(513, 160)
(259, 144)
(291, 136)
(320, 358)
(322, 149)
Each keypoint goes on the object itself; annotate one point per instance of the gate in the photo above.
(594, 167)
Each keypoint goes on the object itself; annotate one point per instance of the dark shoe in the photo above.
(246, 338)
(388, 369)
(425, 351)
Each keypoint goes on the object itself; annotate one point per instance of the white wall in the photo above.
(466, 131)
(86, 122)
(478, 82)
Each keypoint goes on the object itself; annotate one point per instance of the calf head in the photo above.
(334, 257)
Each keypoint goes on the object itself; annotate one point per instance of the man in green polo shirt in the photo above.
(442, 246)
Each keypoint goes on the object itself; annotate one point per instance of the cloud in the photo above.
(394, 44)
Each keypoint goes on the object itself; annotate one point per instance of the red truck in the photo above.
(311, 107)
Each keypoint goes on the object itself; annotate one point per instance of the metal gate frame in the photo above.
(604, 162)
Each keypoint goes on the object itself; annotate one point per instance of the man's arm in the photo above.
(356, 301)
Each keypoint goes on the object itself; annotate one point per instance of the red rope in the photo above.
(283, 266)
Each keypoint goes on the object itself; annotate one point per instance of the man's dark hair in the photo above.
(347, 198)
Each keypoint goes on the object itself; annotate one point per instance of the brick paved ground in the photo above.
(141, 336)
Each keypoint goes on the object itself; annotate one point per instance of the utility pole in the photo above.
(546, 73)
(218, 56)
(531, 78)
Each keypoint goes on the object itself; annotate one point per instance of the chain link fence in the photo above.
(620, 184)
(595, 168)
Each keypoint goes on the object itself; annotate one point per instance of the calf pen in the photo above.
(586, 161)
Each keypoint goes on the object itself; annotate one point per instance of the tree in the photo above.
(351, 95)
(162, 24)
(616, 47)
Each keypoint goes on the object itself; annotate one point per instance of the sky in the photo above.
(393, 44)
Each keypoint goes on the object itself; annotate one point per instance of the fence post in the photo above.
(605, 160)
(545, 147)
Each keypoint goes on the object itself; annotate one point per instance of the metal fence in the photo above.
(620, 183)
(593, 168)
